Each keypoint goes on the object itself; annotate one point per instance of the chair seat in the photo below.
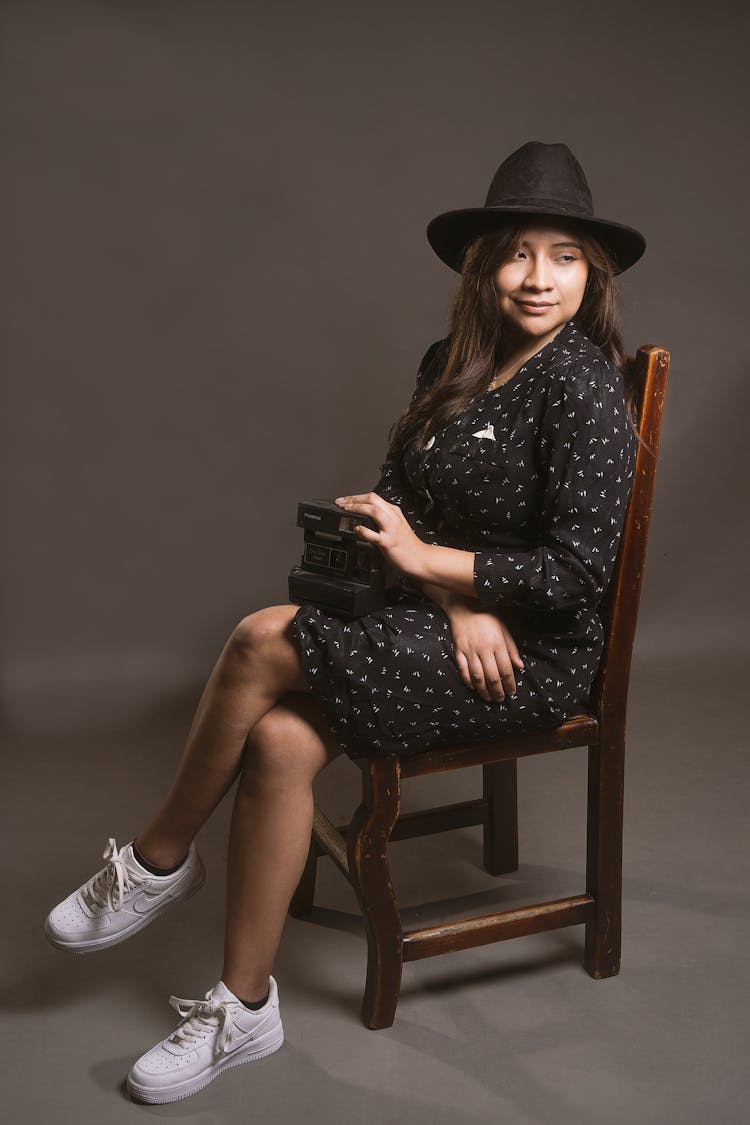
(579, 729)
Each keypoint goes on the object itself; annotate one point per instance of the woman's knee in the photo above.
(253, 633)
(260, 633)
(289, 742)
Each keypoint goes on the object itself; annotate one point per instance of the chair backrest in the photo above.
(647, 373)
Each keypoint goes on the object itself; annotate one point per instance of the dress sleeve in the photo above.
(587, 448)
(392, 484)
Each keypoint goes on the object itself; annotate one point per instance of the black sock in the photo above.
(152, 866)
(253, 1005)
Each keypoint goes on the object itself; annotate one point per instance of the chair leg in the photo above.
(604, 854)
(500, 791)
(367, 848)
(301, 902)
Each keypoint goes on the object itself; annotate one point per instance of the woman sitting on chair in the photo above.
(501, 503)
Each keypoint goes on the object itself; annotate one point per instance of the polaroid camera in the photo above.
(340, 572)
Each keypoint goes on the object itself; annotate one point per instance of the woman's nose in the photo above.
(538, 274)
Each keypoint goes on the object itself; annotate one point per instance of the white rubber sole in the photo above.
(95, 944)
(180, 1090)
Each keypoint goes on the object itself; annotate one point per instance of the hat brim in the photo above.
(451, 232)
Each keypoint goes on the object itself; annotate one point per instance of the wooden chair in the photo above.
(360, 850)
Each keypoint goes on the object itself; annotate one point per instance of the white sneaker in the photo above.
(214, 1034)
(119, 900)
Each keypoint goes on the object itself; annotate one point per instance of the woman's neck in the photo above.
(519, 350)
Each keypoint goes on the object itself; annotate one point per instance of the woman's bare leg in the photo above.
(259, 663)
(270, 836)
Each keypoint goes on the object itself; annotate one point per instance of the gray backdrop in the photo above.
(217, 288)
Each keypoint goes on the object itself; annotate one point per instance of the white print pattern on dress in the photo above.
(542, 507)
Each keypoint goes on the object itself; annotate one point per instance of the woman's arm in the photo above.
(440, 594)
(590, 449)
(448, 571)
(587, 449)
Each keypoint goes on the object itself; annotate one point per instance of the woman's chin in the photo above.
(535, 327)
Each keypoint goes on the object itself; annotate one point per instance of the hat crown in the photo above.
(539, 175)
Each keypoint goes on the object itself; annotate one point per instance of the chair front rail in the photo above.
(467, 933)
(421, 822)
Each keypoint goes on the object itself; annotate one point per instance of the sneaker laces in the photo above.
(199, 1019)
(110, 885)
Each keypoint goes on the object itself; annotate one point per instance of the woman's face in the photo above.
(540, 286)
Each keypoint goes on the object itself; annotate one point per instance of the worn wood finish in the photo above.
(604, 827)
(426, 822)
(500, 839)
(619, 608)
(331, 841)
(367, 844)
(466, 933)
(601, 728)
(610, 690)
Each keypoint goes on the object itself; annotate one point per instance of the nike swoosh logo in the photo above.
(238, 1044)
(143, 903)
(247, 1037)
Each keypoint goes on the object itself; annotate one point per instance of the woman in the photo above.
(501, 502)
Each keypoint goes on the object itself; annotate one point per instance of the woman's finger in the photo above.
(367, 533)
(478, 681)
(370, 505)
(493, 679)
(512, 647)
(463, 668)
(505, 670)
(368, 499)
(361, 507)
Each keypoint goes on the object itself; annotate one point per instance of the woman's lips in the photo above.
(534, 308)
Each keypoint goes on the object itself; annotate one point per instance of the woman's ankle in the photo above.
(246, 988)
(164, 855)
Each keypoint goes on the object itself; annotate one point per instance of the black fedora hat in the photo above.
(537, 179)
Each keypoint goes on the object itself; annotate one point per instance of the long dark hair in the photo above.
(474, 348)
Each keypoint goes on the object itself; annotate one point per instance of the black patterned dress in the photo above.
(535, 478)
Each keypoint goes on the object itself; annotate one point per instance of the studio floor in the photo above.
(515, 1032)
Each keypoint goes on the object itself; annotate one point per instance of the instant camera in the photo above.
(340, 572)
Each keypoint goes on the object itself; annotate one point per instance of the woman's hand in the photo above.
(395, 537)
(486, 653)
(485, 650)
